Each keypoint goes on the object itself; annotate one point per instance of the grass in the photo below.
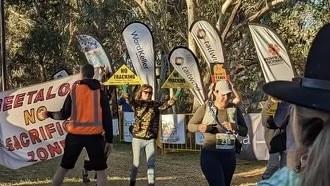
(174, 168)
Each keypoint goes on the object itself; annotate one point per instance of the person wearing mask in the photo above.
(310, 117)
(87, 110)
(275, 137)
(219, 122)
(145, 129)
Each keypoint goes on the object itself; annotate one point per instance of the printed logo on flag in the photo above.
(185, 63)
(274, 59)
(273, 49)
(179, 61)
(274, 55)
(201, 34)
(210, 45)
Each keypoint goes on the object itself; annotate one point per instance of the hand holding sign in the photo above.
(42, 115)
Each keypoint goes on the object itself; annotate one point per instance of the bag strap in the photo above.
(215, 116)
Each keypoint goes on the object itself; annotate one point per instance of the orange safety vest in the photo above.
(86, 111)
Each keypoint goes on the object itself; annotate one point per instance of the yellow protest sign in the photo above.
(123, 76)
(218, 72)
(272, 109)
(175, 80)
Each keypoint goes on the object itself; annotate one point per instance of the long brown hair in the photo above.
(141, 89)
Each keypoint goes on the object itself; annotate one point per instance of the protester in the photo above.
(88, 113)
(218, 159)
(275, 137)
(293, 154)
(310, 117)
(124, 100)
(101, 75)
(145, 129)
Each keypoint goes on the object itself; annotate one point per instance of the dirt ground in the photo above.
(173, 168)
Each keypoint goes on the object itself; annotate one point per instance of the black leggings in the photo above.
(218, 166)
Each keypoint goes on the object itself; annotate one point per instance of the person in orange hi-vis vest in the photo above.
(88, 113)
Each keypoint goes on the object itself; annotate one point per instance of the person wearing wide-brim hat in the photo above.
(310, 116)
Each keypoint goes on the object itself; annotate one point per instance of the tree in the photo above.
(41, 34)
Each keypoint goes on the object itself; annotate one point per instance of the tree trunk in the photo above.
(223, 10)
(191, 42)
(191, 19)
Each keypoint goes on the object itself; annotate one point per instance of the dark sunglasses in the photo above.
(147, 92)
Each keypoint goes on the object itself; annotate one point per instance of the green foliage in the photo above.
(298, 29)
(41, 35)
(295, 22)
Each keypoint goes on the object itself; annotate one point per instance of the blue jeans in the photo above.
(150, 150)
(276, 161)
(218, 166)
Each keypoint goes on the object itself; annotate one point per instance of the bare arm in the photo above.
(237, 97)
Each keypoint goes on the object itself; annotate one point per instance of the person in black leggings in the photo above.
(218, 121)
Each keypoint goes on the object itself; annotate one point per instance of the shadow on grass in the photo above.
(172, 168)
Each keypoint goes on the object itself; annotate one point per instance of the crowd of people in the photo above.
(295, 118)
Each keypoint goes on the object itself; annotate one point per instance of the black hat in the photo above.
(313, 91)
